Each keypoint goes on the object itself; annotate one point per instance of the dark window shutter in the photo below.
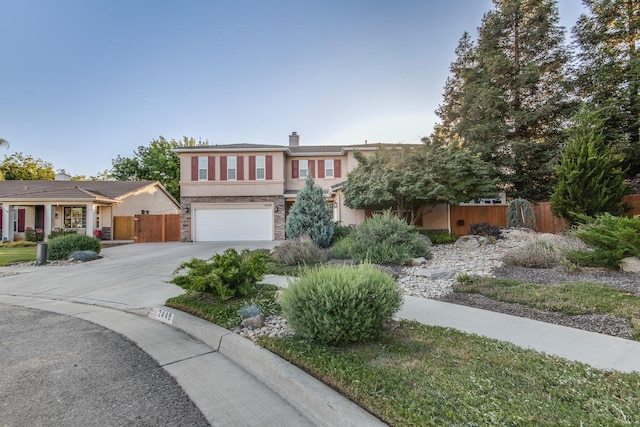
(211, 168)
(312, 168)
(252, 168)
(223, 168)
(320, 168)
(268, 165)
(194, 168)
(1, 219)
(21, 218)
(240, 168)
(294, 169)
(336, 168)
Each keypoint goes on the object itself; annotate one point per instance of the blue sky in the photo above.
(85, 81)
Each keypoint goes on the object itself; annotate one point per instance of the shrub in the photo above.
(311, 214)
(520, 214)
(485, 229)
(299, 252)
(33, 235)
(61, 232)
(341, 231)
(249, 309)
(225, 276)
(439, 237)
(538, 253)
(611, 238)
(337, 305)
(63, 246)
(382, 239)
(17, 244)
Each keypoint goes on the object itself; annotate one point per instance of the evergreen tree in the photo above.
(590, 180)
(508, 97)
(310, 214)
(609, 71)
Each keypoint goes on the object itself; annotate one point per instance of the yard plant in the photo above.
(63, 246)
(336, 305)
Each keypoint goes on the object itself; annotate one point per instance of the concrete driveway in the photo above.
(126, 277)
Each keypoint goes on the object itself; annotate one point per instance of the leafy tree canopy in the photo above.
(155, 162)
(21, 167)
(410, 178)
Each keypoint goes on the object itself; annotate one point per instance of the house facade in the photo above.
(244, 191)
(86, 206)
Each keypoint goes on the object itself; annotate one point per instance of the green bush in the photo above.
(337, 305)
(439, 237)
(63, 246)
(298, 252)
(57, 232)
(225, 276)
(341, 231)
(34, 235)
(610, 237)
(382, 239)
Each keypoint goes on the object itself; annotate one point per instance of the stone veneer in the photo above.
(185, 216)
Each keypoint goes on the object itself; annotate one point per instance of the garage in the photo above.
(232, 223)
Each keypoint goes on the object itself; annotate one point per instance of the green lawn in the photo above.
(9, 255)
(568, 298)
(417, 375)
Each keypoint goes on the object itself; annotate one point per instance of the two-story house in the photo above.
(242, 192)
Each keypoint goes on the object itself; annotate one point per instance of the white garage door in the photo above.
(227, 225)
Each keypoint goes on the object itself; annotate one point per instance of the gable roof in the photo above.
(99, 191)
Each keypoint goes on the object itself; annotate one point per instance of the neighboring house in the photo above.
(86, 206)
(243, 192)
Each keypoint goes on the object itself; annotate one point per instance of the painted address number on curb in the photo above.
(162, 315)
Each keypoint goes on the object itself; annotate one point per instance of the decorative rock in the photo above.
(471, 241)
(83, 256)
(254, 322)
(630, 265)
(418, 261)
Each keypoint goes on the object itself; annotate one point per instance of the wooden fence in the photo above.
(157, 228)
(123, 228)
(462, 217)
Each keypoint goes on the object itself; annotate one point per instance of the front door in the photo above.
(39, 217)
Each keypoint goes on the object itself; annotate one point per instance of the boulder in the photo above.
(418, 261)
(434, 274)
(471, 241)
(254, 322)
(630, 265)
(83, 256)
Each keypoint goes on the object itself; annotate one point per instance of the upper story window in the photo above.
(303, 168)
(260, 167)
(328, 168)
(203, 168)
(231, 168)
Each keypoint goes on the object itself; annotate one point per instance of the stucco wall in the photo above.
(151, 198)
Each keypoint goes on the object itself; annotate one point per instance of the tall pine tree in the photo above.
(608, 38)
(508, 97)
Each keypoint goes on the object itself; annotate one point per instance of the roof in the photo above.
(106, 191)
(230, 147)
(301, 150)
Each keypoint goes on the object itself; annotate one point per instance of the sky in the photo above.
(83, 82)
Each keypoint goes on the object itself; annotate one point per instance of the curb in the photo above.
(314, 399)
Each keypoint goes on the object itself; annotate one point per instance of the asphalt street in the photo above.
(62, 371)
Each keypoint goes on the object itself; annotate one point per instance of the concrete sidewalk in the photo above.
(598, 350)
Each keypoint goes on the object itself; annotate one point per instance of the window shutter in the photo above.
(223, 168)
(240, 168)
(194, 168)
(211, 168)
(1, 219)
(336, 168)
(294, 169)
(268, 165)
(312, 168)
(21, 216)
(320, 168)
(252, 168)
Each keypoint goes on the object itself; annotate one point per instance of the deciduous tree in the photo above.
(21, 167)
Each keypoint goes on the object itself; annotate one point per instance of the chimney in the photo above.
(294, 139)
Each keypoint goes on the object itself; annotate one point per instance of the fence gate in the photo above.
(157, 228)
(123, 228)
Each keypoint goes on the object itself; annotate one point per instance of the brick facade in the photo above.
(186, 211)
